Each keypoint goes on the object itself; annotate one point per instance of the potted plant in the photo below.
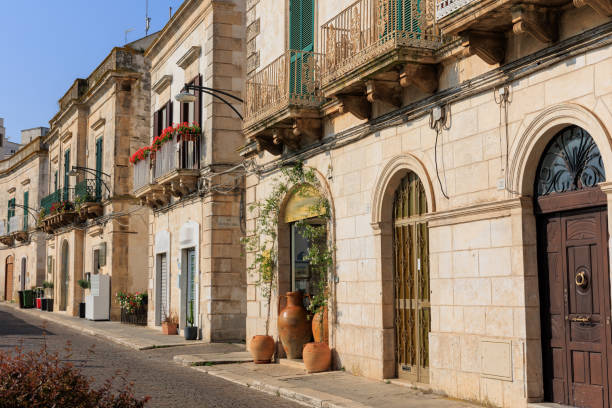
(47, 303)
(170, 323)
(190, 331)
(84, 284)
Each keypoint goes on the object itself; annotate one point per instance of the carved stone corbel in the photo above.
(177, 189)
(264, 144)
(384, 91)
(284, 136)
(358, 105)
(490, 47)
(306, 130)
(603, 7)
(423, 76)
(538, 22)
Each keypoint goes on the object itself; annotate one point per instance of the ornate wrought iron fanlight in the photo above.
(570, 162)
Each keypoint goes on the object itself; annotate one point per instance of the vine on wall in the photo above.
(263, 241)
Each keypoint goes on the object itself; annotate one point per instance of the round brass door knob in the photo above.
(581, 279)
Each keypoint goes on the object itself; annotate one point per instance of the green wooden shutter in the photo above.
(66, 176)
(55, 181)
(99, 156)
(301, 38)
(26, 198)
(11, 209)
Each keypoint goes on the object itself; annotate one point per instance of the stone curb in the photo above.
(96, 333)
(301, 395)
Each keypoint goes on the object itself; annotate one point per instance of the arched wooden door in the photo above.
(573, 271)
(411, 280)
(64, 283)
(8, 279)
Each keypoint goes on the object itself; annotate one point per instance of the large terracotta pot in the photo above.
(317, 357)
(320, 332)
(262, 349)
(293, 326)
(169, 328)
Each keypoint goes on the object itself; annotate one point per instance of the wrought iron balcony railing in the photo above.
(446, 7)
(88, 190)
(3, 228)
(48, 201)
(179, 154)
(368, 29)
(142, 173)
(15, 223)
(293, 79)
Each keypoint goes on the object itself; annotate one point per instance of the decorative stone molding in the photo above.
(527, 149)
(477, 212)
(161, 84)
(422, 76)
(25, 182)
(98, 124)
(191, 55)
(490, 47)
(11, 190)
(66, 136)
(387, 182)
(603, 7)
(252, 30)
(540, 23)
(252, 62)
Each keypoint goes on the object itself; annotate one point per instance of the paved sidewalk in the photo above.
(136, 337)
(334, 389)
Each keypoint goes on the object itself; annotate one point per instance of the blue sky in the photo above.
(46, 44)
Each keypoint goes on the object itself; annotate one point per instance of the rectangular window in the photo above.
(162, 119)
(11, 209)
(99, 156)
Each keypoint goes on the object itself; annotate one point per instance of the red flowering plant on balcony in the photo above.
(166, 136)
(187, 132)
(130, 302)
(61, 207)
(140, 154)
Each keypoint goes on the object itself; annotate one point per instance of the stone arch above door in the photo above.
(389, 179)
(527, 149)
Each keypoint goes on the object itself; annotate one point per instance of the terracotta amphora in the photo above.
(262, 349)
(293, 326)
(317, 357)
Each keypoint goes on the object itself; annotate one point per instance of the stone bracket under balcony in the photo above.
(21, 236)
(152, 195)
(7, 240)
(603, 7)
(179, 182)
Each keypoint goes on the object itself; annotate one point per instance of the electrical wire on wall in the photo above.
(503, 97)
(439, 120)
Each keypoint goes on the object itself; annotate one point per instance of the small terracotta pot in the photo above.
(169, 328)
(317, 357)
(262, 349)
(320, 332)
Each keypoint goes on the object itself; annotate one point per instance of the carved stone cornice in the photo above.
(191, 55)
(490, 47)
(161, 84)
(540, 23)
(603, 7)
(98, 124)
(423, 76)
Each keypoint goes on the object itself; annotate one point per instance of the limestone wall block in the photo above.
(499, 322)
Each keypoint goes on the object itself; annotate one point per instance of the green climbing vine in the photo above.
(263, 240)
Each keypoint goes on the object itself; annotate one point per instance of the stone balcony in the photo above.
(172, 171)
(58, 210)
(374, 48)
(283, 101)
(483, 24)
(5, 236)
(88, 197)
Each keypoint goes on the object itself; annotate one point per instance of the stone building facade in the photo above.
(93, 222)
(435, 131)
(7, 148)
(192, 184)
(23, 181)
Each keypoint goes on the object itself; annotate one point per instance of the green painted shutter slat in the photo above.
(26, 199)
(98, 168)
(301, 38)
(66, 176)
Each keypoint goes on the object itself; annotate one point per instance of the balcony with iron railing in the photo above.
(483, 24)
(374, 47)
(88, 197)
(172, 170)
(57, 209)
(283, 101)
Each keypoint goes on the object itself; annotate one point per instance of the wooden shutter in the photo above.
(156, 124)
(301, 25)
(102, 254)
(26, 198)
(197, 108)
(99, 156)
(163, 266)
(66, 177)
(169, 113)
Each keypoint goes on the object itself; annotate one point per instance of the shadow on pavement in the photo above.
(11, 325)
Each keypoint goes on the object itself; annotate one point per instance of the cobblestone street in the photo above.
(152, 371)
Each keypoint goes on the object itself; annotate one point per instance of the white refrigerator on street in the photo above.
(97, 302)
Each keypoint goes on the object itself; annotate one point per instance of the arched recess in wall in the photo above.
(162, 275)
(64, 281)
(525, 153)
(8, 278)
(293, 270)
(403, 197)
(23, 276)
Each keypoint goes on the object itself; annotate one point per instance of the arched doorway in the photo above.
(64, 282)
(573, 271)
(411, 280)
(8, 279)
(23, 274)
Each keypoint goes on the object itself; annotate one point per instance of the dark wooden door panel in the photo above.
(574, 304)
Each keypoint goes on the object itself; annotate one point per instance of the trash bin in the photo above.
(20, 297)
(28, 299)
